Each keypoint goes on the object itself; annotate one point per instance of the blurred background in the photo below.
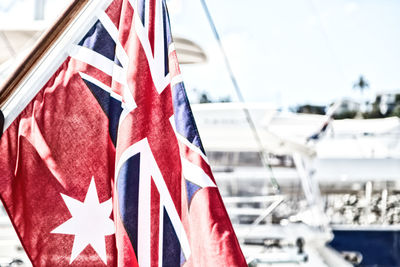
(297, 104)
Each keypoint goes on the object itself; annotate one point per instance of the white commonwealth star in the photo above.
(90, 223)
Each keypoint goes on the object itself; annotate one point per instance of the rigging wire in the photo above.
(328, 41)
(239, 94)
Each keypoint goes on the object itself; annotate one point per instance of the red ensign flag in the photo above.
(105, 165)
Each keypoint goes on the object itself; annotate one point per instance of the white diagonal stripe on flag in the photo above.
(144, 215)
(156, 63)
(161, 235)
(143, 147)
(195, 174)
(186, 142)
(101, 85)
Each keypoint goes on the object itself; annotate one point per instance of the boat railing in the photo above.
(261, 213)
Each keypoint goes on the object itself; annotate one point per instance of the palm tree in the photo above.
(361, 84)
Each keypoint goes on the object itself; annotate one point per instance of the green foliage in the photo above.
(225, 99)
(204, 97)
(310, 109)
(345, 115)
(375, 113)
(361, 84)
(396, 111)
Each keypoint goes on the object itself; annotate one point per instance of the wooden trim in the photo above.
(41, 48)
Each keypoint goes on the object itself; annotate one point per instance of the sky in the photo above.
(292, 52)
(22, 11)
(285, 52)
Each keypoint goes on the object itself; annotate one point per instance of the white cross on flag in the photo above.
(101, 162)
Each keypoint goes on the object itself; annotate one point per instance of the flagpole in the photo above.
(40, 49)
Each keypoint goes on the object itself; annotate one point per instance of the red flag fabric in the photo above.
(105, 165)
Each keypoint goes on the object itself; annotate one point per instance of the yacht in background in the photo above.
(342, 186)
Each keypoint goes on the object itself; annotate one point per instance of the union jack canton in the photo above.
(167, 209)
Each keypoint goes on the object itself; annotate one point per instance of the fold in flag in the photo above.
(104, 165)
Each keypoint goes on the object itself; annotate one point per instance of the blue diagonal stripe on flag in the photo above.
(184, 120)
(128, 197)
(111, 107)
